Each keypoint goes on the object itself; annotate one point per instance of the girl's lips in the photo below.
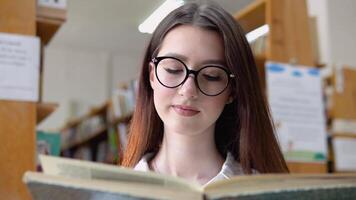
(185, 110)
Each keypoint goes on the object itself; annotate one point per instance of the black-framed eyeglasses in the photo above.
(211, 80)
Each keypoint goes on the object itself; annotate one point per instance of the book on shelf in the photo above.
(73, 179)
(258, 46)
(122, 134)
(88, 128)
(112, 151)
(102, 151)
(48, 143)
(124, 99)
(82, 153)
(122, 104)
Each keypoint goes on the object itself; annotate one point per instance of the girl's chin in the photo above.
(184, 127)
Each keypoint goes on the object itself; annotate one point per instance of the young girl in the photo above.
(200, 112)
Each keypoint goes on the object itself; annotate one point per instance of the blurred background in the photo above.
(95, 50)
(90, 54)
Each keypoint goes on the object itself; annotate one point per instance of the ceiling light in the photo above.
(258, 32)
(150, 24)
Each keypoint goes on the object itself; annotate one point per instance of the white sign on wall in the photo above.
(296, 101)
(19, 67)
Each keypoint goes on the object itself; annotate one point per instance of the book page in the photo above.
(97, 171)
(43, 186)
(255, 185)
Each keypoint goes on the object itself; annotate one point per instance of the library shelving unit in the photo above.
(342, 109)
(43, 110)
(89, 131)
(18, 119)
(288, 40)
(70, 140)
(49, 20)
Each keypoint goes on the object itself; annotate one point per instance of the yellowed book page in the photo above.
(258, 184)
(98, 171)
(43, 186)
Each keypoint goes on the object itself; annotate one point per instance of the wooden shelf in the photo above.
(260, 63)
(260, 60)
(17, 118)
(284, 19)
(48, 21)
(252, 16)
(98, 110)
(299, 167)
(44, 110)
(123, 119)
(100, 133)
(46, 28)
(94, 111)
(345, 135)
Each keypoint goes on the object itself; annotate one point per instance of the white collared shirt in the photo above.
(229, 169)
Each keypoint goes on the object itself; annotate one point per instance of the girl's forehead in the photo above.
(192, 42)
(202, 63)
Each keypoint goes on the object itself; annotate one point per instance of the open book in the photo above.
(65, 179)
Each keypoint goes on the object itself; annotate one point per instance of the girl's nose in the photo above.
(189, 88)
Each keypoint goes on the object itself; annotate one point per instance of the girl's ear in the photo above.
(152, 74)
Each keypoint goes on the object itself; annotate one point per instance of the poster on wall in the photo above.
(19, 67)
(296, 102)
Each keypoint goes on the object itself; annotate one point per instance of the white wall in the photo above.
(319, 9)
(79, 79)
(342, 31)
(126, 66)
(73, 76)
(336, 30)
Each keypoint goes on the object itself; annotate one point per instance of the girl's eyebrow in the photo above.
(179, 56)
(205, 62)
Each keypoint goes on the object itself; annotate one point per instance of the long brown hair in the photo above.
(244, 128)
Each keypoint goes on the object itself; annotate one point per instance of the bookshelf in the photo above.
(344, 135)
(44, 110)
(76, 136)
(285, 18)
(342, 118)
(19, 119)
(93, 112)
(252, 16)
(95, 135)
(83, 131)
(48, 21)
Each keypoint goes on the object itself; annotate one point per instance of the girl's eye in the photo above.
(211, 77)
(173, 71)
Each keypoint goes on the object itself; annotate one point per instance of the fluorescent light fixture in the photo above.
(258, 32)
(150, 24)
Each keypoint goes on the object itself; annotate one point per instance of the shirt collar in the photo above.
(229, 169)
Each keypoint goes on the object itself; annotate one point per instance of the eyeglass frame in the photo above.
(158, 59)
